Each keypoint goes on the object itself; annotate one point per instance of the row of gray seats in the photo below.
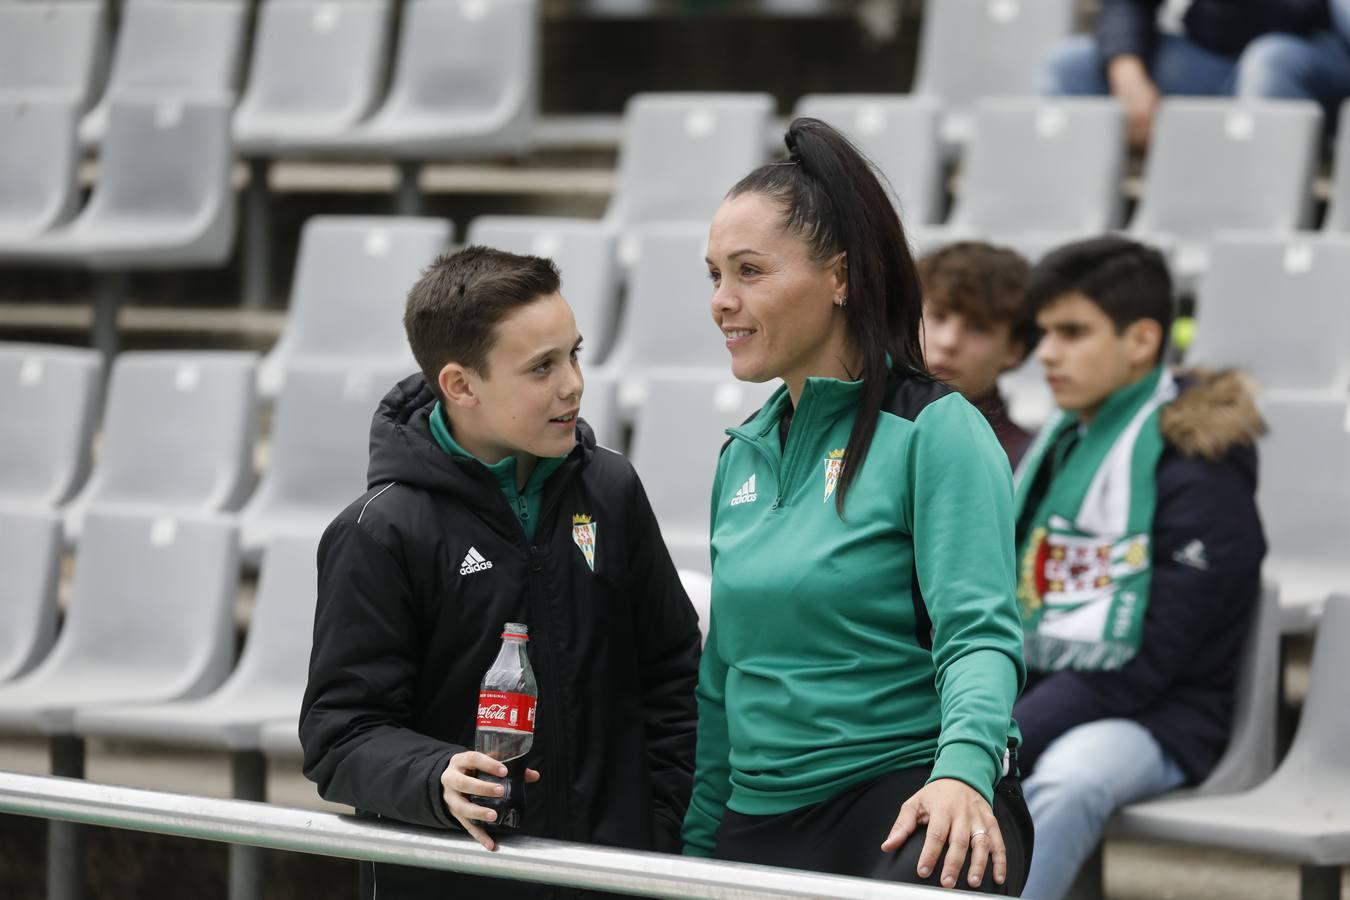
(464, 75)
(1038, 172)
(178, 437)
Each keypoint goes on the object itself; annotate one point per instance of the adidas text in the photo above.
(746, 493)
(473, 562)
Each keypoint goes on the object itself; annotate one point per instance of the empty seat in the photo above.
(54, 48)
(265, 686)
(679, 156)
(465, 82)
(668, 320)
(172, 51)
(1030, 403)
(1338, 210)
(1295, 287)
(1222, 164)
(1298, 813)
(584, 253)
(281, 740)
(900, 135)
(1250, 756)
(681, 153)
(1304, 497)
(319, 451)
(317, 69)
(177, 436)
(676, 440)
(151, 619)
(973, 49)
(38, 165)
(1039, 173)
(163, 198)
(699, 588)
(30, 566)
(352, 279)
(49, 404)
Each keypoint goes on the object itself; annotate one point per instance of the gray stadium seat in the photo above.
(668, 322)
(1338, 211)
(584, 252)
(1250, 756)
(699, 588)
(1223, 164)
(177, 436)
(352, 279)
(900, 134)
(600, 405)
(1296, 287)
(676, 440)
(1304, 496)
(30, 567)
(55, 48)
(1028, 397)
(172, 50)
(1298, 813)
(163, 199)
(281, 740)
(49, 404)
(317, 69)
(265, 686)
(151, 619)
(681, 153)
(319, 451)
(38, 166)
(973, 49)
(465, 82)
(1039, 173)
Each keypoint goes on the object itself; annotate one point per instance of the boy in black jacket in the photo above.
(489, 503)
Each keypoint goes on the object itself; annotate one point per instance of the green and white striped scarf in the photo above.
(1084, 536)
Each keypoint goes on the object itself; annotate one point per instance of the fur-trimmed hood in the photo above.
(1214, 413)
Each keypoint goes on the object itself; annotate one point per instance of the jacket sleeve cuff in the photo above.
(968, 763)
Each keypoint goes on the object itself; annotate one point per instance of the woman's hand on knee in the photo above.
(959, 818)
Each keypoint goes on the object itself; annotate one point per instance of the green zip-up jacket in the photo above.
(843, 650)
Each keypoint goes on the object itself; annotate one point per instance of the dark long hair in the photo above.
(833, 200)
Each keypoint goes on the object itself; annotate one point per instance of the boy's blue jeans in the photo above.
(1080, 781)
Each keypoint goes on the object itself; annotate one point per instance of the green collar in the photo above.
(504, 471)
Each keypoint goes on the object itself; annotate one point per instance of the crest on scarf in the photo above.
(583, 535)
(1070, 589)
(834, 464)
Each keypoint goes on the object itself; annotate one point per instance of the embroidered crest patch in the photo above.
(583, 535)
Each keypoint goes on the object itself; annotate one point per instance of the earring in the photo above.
(841, 303)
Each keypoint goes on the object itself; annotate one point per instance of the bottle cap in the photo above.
(516, 630)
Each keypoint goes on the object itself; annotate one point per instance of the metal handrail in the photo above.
(559, 863)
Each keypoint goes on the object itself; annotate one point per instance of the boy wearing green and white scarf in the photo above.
(1139, 551)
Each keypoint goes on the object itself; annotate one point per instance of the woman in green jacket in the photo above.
(865, 650)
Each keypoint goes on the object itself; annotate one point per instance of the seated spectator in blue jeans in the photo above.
(1139, 550)
(976, 326)
(1286, 49)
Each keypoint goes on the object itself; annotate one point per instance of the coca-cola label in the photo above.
(504, 711)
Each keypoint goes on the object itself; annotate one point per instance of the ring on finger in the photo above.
(977, 833)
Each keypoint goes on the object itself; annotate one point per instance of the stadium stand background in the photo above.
(181, 311)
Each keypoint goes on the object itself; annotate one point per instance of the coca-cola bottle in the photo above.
(506, 706)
